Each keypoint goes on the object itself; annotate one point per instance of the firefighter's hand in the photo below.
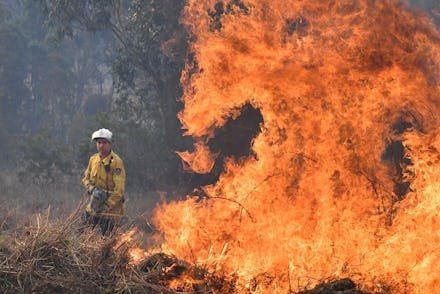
(90, 189)
(103, 208)
(97, 200)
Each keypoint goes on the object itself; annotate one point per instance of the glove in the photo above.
(97, 200)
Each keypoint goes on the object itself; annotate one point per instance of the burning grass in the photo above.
(53, 256)
(62, 256)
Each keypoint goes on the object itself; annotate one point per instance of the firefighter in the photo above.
(104, 180)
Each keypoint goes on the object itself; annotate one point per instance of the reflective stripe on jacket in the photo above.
(107, 174)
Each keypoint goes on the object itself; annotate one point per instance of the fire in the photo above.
(135, 252)
(200, 161)
(345, 181)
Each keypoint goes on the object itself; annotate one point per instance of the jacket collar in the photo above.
(106, 159)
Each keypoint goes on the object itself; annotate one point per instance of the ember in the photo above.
(343, 180)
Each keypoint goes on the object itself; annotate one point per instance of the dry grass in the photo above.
(61, 256)
(48, 250)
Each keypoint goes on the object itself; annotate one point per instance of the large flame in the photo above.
(344, 87)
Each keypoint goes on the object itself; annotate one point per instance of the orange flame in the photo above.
(342, 87)
(200, 161)
(135, 252)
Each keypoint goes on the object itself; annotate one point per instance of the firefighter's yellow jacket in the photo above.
(107, 174)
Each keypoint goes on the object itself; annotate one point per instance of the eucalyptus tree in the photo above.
(149, 59)
(13, 71)
(46, 84)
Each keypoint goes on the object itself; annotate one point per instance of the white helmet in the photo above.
(102, 133)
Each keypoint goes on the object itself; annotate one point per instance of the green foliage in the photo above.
(4, 15)
(13, 92)
(13, 68)
(44, 160)
(76, 66)
(150, 57)
(45, 84)
(91, 15)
